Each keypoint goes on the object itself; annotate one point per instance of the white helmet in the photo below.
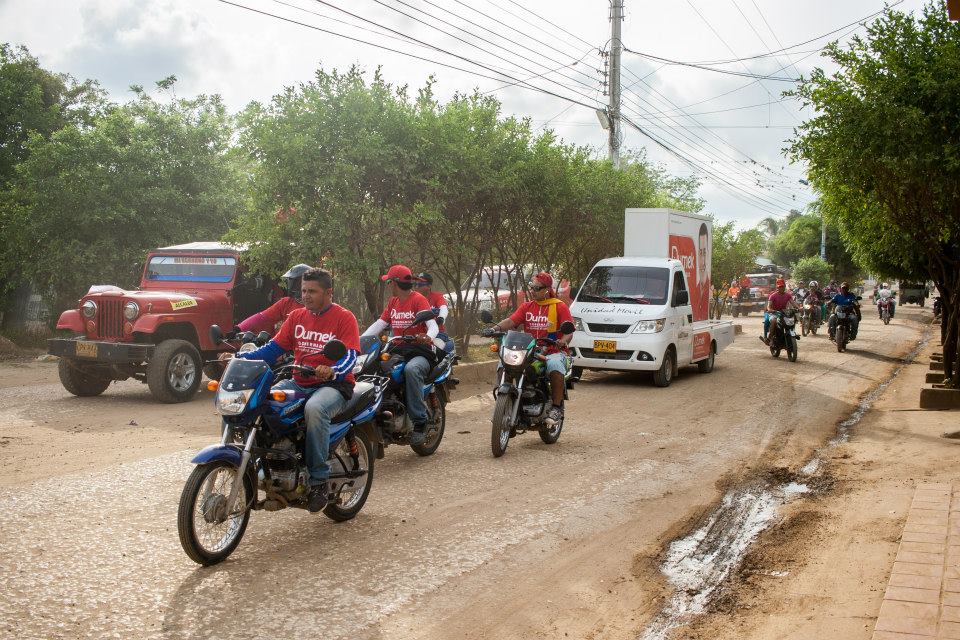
(884, 286)
(814, 284)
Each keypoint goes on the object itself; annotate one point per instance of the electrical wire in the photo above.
(705, 68)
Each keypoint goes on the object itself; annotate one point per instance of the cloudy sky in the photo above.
(727, 128)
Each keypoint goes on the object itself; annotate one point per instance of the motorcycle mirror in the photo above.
(334, 350)
(424, 316)
(263, 338)
(859, 297)
(567, 327)
(486, 316)
(216, 335)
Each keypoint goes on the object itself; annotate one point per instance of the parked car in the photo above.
(914, 293)
(159, 334)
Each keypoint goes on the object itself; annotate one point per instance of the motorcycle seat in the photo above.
(437, 371)
(363, 393)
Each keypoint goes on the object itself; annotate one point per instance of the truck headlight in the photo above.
(131, 310)
(513, 357)
(578, 323)
(231, 403)
(650, 326)
(89, 309)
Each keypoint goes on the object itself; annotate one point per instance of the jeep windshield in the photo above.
(631, 285)
(191, 268)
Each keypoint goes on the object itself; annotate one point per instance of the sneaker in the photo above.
(554, 415)
(317, 498)
(418, 435)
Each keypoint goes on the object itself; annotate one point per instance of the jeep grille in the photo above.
(110, 323)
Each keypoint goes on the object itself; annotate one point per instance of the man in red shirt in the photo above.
(541, 317)
(269, 318)
(305, 332)
(439, 304)
(398, 315)
(779, 300)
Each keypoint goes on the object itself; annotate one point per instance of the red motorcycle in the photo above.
(886, 309)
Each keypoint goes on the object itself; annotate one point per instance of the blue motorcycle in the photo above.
(384, 363)
(262, 450)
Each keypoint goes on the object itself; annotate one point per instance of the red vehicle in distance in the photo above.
(159, 333)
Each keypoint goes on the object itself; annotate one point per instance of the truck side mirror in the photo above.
(486, 317)
(334, 350)
(216, 335)
(682, 298)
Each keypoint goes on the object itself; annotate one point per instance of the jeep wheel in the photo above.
(82, 380)
(174, 373)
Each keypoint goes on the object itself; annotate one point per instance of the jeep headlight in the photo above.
(131, 310)
(578, 323)
(513, 357)
(89, 309)
(231, 403)
(650, 326)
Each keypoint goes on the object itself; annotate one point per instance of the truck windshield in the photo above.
(633, 285)
(761, 281)
(191, 268)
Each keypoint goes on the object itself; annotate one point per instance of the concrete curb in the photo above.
(476, 371)
(935, 397)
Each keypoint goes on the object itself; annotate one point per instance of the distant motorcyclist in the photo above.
(269, 318)
(883, 292)
(779, 300)
(398, 316)
(541, 317)
(844, 297)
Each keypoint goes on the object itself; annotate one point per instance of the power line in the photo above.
(705, 68)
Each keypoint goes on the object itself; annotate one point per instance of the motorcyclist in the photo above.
(398, 315)
(883, 292)
(439, 305)
(541, 317)
(844, 297)
(276, 313)
(779, 300)
(815, 296)
(800, 292)
(305, 332)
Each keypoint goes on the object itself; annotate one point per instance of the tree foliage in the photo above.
(812, 268)
(734, 253)
(884, 150)
(802, 239)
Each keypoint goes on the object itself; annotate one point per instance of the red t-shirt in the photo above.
(436, 299)
(779, 301)
(305, 333)
(269, 318)
(534, 318)
(399, 314)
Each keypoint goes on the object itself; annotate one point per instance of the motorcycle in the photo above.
(237, 341)
(384, 363)
(783, 334)
(884, 304)
(523, 391)
(262, 449)
(843, 331)
(810, 320)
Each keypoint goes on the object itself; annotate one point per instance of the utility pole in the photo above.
(823, 238)
(613, 109)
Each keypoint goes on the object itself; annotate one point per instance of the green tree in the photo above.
(734, 253)
(802, 238)
(811, 268)
(884, 151)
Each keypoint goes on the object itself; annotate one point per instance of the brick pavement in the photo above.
(922, 599)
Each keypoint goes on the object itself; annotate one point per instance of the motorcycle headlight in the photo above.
(131, 310)
(650, 326)
(578, 323)
(89, 309)
(231, 403)
(788, 320)
(513, 357)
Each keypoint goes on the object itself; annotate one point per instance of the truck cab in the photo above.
(159, 333)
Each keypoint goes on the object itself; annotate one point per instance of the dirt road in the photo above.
(546, 541)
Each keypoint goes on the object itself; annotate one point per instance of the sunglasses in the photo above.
(536, 287)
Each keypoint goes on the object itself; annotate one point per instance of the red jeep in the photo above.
(159, 334)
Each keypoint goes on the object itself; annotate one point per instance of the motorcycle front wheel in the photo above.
(500, 425)
(841, 337)
(210, 530)
(350, 500)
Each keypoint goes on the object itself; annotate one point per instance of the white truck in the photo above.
(647, 311)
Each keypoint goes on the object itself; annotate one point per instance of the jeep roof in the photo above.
(200, 247)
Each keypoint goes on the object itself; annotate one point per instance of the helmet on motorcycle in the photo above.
(292, 279)
(884, 286)
(814, 284)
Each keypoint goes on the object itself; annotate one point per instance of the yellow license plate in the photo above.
(605, 346)
(86, 349)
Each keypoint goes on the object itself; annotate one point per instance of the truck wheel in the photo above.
(173, 374)
(81, 380)
(706, 365)
(663, 376)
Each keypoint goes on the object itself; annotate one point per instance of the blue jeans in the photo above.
(766, 323)
(557, 362)
(323, 404)
(414, 374)
(854, 325)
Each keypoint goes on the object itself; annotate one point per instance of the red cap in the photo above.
(780, 282)
(544, 278)
(399, 272)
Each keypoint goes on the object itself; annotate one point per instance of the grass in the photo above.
(479, 353)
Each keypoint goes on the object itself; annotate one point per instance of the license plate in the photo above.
(605, 346)
(86, 349)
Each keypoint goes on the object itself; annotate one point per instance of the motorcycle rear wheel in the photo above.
(805, 326)
(791, 349)
(205, 540)
(349, 503)
(550, 435)
(841, 338)
(429, 446)
(500, 425)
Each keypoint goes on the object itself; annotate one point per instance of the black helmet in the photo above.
(292, 279)
(425, 279)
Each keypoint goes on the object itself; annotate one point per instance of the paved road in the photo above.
(544, 541)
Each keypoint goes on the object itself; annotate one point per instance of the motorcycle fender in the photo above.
(508, 389)
(217, 452)
(369, 429)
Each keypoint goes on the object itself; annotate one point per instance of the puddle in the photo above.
(698, 564)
